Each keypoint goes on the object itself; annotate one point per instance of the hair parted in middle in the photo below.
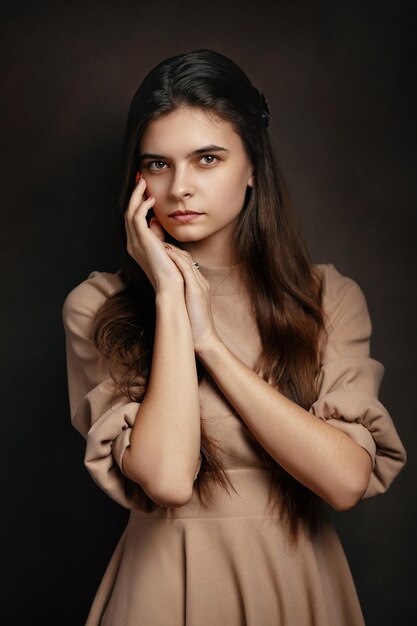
(285, 287)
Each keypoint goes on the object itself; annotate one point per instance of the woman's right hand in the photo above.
(146, 245)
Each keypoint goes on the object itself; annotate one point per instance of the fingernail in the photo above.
(137, 179)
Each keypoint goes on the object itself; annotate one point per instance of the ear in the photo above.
(251, 180)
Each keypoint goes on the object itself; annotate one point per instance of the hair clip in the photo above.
(263, 104)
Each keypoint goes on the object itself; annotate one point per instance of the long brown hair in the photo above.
(284, 287)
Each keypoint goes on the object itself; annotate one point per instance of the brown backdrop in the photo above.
(337, 76)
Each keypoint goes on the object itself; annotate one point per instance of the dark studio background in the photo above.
(338, 78)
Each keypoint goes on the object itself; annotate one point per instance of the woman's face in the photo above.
(192, 161)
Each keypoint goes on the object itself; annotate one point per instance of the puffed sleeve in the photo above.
(349, 381)
(105, 422)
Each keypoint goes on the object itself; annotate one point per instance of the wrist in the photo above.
(170, 293)
(207, 347)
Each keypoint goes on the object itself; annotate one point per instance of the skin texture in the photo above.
(164, 452)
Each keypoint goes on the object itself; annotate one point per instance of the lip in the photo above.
(185, 217)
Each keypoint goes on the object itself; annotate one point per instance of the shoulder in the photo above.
(335, 284)
(342, 297)
(86, 298)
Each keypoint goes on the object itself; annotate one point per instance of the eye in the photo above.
(149, 165)
(210, 156)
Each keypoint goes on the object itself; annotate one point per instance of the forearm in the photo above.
(165, 440)
(318, 455)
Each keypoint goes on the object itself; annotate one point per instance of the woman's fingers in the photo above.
(137, 202)
(156, 228)
(135, 216)
(135, 199)
(181, 252)
(135, 220)
(185, 262)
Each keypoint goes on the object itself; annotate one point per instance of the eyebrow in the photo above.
(210, 148)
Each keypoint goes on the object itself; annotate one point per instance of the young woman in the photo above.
(223, 383)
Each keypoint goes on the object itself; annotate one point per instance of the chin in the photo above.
(185, 238)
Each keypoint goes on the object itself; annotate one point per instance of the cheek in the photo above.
(229, 190)
(154, 187)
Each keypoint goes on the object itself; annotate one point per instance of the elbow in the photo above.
(348, 496)
(344, 503)
(172, 497)
(345, 500)
(168, 494)
(163, 492)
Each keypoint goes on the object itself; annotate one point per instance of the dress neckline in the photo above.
(223, 279)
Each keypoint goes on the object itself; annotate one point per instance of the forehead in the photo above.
(186, 129)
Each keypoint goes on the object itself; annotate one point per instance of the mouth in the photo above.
(183, 213)
(184, 216)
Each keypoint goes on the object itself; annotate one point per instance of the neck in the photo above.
(223, 279)
(211, 252)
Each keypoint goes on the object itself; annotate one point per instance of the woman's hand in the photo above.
(197, 298)
(145, 244)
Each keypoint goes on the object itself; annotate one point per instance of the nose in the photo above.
(182, 185)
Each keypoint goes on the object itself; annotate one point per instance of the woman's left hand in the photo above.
(197, 297)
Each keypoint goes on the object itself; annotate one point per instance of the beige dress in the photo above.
(230, 565)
